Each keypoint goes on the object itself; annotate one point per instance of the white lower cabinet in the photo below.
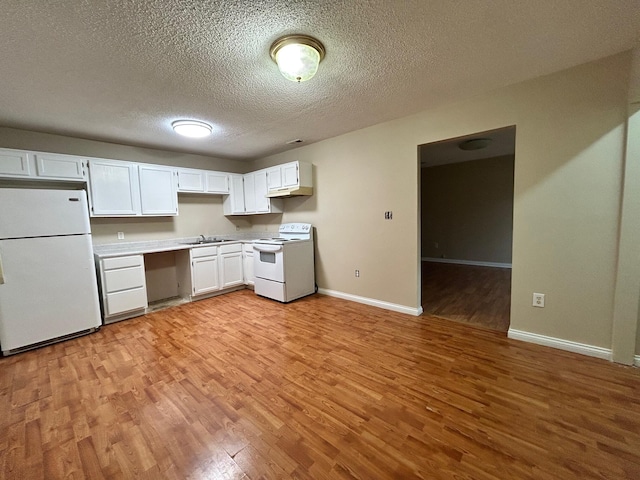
(216, 268)
(123, 287)
(200, 272)
(247, 260)
(231, 273)
(205, 276)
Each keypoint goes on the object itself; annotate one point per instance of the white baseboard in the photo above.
(575, 347)
(636, 360)
(466, 262)
(372, 301)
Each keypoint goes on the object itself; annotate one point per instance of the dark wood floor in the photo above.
(479, 296)
(239, 386)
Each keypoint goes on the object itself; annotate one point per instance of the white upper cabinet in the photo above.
(41, 166)
(190, 180)
(124, 189)
(250, 193)
(289, 172)
(290, 179)
(63, 167)
(14, 163)
(233, 204)
(274, 178)
(217, 182)
(260, 189)
(264, 204)
(114, 189)
(158, 190)
(202, 181)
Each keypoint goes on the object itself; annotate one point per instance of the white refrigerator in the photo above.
(48, 287)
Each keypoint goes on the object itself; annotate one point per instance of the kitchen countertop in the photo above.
(156, 246)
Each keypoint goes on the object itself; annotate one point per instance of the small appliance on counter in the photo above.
(48, 287)
(284, 265)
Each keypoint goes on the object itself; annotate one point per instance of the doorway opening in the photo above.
(466, 205)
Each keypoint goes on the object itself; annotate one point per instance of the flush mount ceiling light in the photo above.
(297, 56)
(192, 128)
(474, 144)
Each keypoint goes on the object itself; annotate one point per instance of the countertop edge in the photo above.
(107, 251)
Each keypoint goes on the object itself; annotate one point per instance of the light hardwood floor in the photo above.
(239, 386)
(476, 295)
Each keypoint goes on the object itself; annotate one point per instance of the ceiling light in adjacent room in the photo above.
(192, 128)
(297, 56)
(474, 144)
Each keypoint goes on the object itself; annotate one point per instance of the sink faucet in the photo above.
(202, 239)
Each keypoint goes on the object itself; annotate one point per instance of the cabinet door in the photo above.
(204, 274)
(158, 190)
(274, 178)
(250, 193)
(14, 163)
(261, 190)
(289, 174)
(113, 188)
(191, 181)
(248, 268)
(233, 204)
(217, 182)
(59, 166)
(231, 269)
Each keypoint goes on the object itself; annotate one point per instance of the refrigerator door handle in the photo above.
(1, 272)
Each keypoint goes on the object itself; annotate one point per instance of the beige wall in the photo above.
(569, 156)
(198, 214)
(467, 210)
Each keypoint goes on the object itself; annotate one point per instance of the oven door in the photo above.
(268, 262)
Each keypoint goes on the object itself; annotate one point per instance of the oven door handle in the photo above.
(266, 248)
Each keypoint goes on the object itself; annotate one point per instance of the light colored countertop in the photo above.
(156, 246)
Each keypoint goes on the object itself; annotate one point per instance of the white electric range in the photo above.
(283, 265)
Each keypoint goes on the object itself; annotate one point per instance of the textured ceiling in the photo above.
(122, 70)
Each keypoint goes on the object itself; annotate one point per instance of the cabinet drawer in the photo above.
(197, 252)
(233, 248)
(127, 300)
(123, 279)
(247, 247)
(122, 262)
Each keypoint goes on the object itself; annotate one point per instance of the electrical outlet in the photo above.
(120, 235)
(538, 300)
(388, 215)
(357, 273)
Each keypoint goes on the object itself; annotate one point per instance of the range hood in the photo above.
(295, 191)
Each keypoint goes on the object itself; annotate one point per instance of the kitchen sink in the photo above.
(207, 241)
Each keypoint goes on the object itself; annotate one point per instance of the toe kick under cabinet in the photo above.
(123, 287)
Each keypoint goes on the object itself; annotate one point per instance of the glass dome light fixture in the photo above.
(192, 128)
(297, 56)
